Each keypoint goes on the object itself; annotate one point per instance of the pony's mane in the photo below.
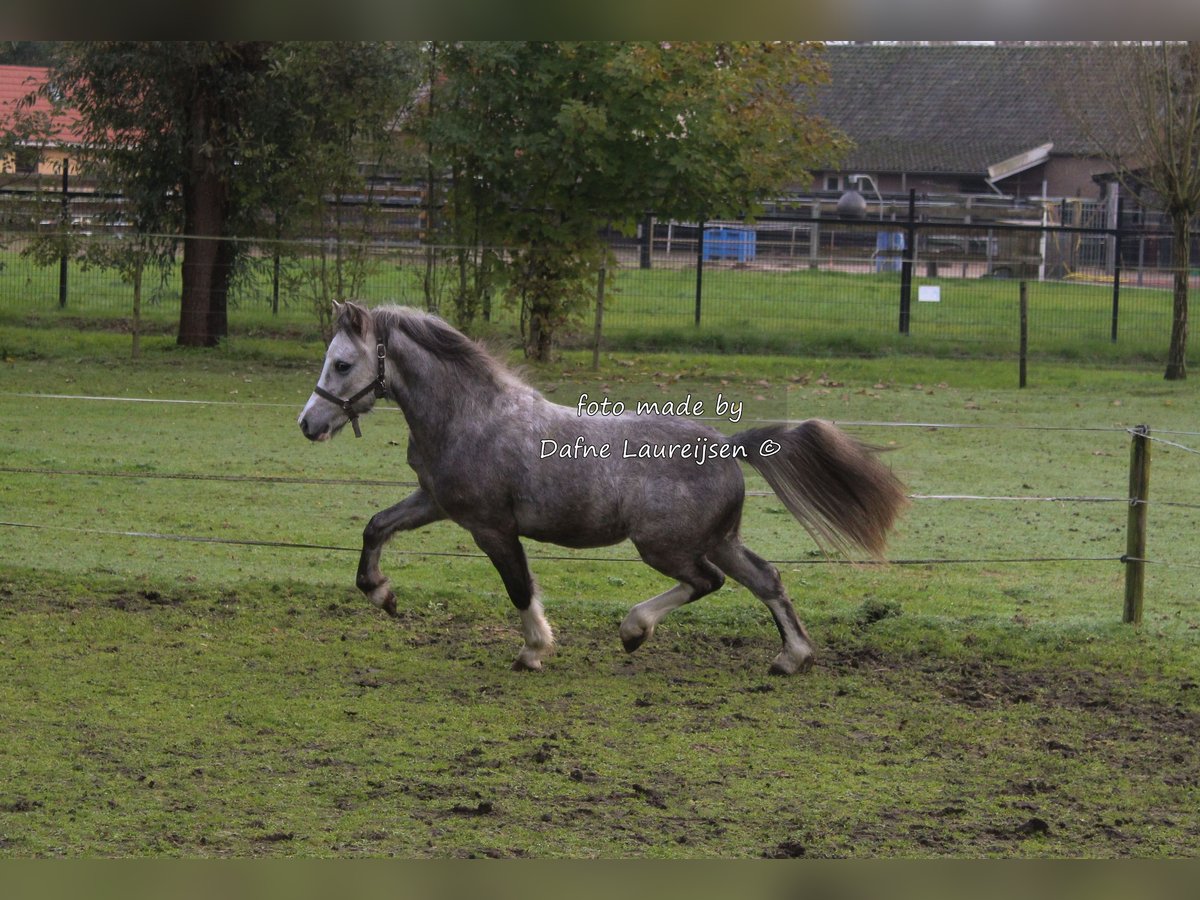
(445, 343)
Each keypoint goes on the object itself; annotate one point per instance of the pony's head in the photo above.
(352, 377)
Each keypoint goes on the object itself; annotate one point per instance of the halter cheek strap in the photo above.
(379, 386)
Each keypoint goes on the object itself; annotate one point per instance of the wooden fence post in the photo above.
(1135, 543)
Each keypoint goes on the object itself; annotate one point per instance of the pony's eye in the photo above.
(342, 367)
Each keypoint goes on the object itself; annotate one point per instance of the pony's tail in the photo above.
(833, 484)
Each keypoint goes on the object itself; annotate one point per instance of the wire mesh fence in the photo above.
(778, 285)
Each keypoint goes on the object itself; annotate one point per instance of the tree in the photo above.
(543, 144)
(165, 119)
(25, 127)
(27, 53)
(1151, 134)
(194, 133)
(346, 103)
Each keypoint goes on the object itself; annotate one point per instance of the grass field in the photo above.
(757, 309)
(841, 313)
(178, 698)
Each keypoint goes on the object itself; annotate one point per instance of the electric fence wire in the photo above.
(287, 479)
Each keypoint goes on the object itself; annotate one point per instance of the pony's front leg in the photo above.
(508, 556)
(412, 512)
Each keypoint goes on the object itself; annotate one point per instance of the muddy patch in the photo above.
(141, 601)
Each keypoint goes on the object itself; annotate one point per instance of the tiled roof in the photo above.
(19, 82)
(954, 109)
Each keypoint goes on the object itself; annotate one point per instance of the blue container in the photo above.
(729, 243)
(889, 245)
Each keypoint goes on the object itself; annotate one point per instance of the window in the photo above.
(833, 182)
(26, 160)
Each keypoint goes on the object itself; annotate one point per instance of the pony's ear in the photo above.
(351, 317)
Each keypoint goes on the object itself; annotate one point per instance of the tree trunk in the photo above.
(1180, 260)
(430, 229)
(541, 335)
(218, 303)
(197, 270)
(201, 307)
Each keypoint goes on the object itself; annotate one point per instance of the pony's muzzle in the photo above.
(313, 434)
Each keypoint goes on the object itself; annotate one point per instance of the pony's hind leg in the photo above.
(762, 579)
(508, 556)
(414, 511)
(697, 578)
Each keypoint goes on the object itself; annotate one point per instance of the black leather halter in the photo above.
(379, 386)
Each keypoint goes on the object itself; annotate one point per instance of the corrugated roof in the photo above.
(19, 82)
(955, 109)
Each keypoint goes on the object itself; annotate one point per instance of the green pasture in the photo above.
(228, 698)
(841, 313)
(743, 310)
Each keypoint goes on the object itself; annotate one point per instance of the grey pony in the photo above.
(496, 457)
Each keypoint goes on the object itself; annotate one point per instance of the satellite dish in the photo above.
(852, 205)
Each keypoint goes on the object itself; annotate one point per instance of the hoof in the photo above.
(383, 597)
(525, 663)
(631, 639)
(789, 664)
(632, 643)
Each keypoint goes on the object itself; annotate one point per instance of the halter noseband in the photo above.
(379, 386)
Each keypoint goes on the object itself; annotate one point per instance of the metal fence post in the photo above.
(63, 258)
(699, 268)
(1024, 343)
(814, 237)
(1135, 541)
(906, 267)
(1116, 290)
(275, 264)
(599, 317)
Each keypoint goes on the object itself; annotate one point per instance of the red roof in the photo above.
(17, 83)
